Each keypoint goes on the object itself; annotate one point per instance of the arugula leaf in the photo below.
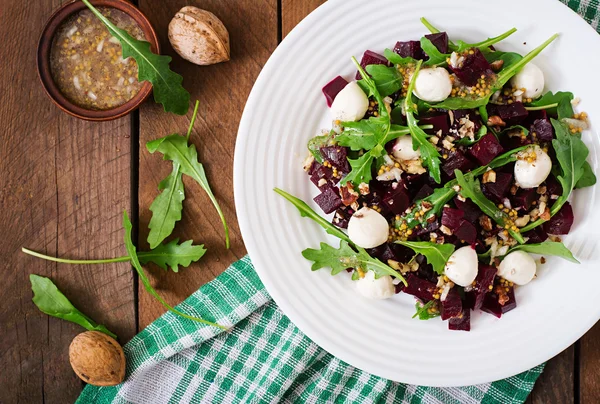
(166, 84)
(571, 154)
(423, 310)
(509, 58)
(173, 254)
(387, 79)
(436, 58)
(558, 103)
(552, 248)
(471, 189)
(484, 45)
(364, 134)
(306, 211)
(429, 153)
(434, 30)
(396, 59)
(176, 148)
(52, 302)
(588, 178)
(338, 259)
(436, 254)
(315, 143)
(360, 169)
(135, 262)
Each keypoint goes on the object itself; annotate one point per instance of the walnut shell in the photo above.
(97, 359)
(199, 36)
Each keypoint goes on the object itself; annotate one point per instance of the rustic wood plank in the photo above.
(556, 384)
(222, 90)
(589, 369)
(293, 11)
(65, 183)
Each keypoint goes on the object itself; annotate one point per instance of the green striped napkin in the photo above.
(263, 358)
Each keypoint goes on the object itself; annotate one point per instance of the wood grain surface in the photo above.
(66, 183)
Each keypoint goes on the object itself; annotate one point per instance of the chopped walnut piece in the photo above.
(485, 222)
(495, 120)
(348, 194)
(363, 188)
(522, 221)
(446, 230)
(496, 65)
(489, 176)
(546, 214)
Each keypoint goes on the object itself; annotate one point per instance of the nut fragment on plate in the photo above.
(97, 359)
(199, 36)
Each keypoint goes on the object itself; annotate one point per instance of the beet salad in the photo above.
(447, 166)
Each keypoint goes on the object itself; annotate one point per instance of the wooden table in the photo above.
(67, 181)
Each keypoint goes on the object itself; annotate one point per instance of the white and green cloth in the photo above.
(263, 358)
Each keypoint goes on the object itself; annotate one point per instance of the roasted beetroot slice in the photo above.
(397, 200)
(542, 130)
(439, 120)
(420, 288)
(439, 40)
(410, 49)
(383, 252)
(371, 58)
(532, 116)
(536, 236)
(491, 305)
(486, 149)
(322, 172)
(331, 89)
(470, 210)
(466, 232)
(561, 222)
(433, 226)
(452, 305)
(337, 156)
(553, 187)
(425, 270)
(485, 278)
(329, 200)
(496, 191)
(401, 253)
(474, 66)
(512, 114)
(512, 302)
(452, 218)
(423, 192)
(462, 322)
(524, 198)
(342, 217)
(456, 161)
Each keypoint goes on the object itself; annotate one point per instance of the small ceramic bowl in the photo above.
(43, 60)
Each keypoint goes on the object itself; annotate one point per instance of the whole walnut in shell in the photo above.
(199, 36)
(97, 359)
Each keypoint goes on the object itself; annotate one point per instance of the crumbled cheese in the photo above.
(308, 162)
(522, 221)
(447, 144)
(363, 188)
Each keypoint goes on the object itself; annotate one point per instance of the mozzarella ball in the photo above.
(403, 149)
(531, 78)
(367, 228)
(351, 104)
(517, 267)
(433, 85)
(462, 266)
(382, 288)
(531, 175)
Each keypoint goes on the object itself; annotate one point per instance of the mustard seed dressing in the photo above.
(86, 60)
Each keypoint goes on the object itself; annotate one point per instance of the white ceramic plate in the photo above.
(286, 108)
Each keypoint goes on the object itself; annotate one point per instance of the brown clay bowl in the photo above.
(43, 60)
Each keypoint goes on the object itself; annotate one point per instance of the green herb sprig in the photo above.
(551, 248)
(166, 84)
(436, 254)
(423, 313)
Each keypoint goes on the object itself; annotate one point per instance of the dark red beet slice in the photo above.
(337, 156)
(439, 40)
(402, 253)
(331, 89)
(452, 218)
(456, 161)
(470, 210)
(439, 120)
(420, 288)
(397, 200)
(410, 49)
(322, 172)
(473, 68)
(491, 305)
(498, 190)
(485, 278)
(342, 217)
(536, 236)
(524, 198)
(423, 192)
(553, 187)
(466, 232)
(486, 149)
(433, 226)
(371, 58)
(512, 114)
(470, 114)
(561, 222)
(452, 305)
(512, 302)
(383, 252)
(461, 323)
(542, 130)
(329, 200)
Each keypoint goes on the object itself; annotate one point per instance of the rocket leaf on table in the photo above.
(176, 148)
(167, 206)
(436, 254)
(166, 84)
(173, 254)
(52, 302)
(135, 262)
